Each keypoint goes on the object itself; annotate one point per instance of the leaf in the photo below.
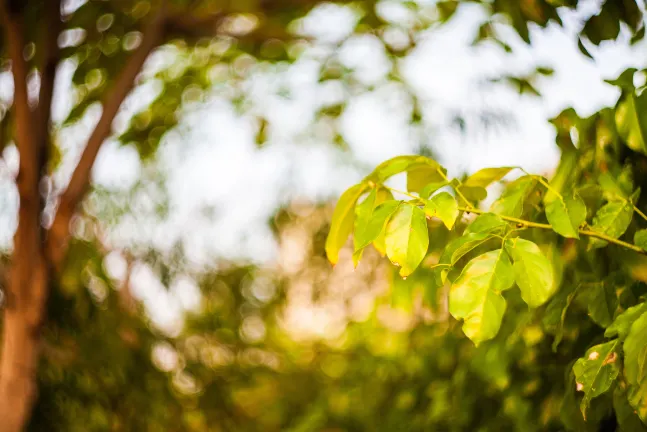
(486, 176)
(473, 193)
(431, 188)
(620, 327)
(407, 238)
(612, 219)
(375, 226)
(363, 215)
(635, 366)
(443, 206)
(640, 239)
(363, 212)
(626, 416)
(555, 314)
(638, 400)
(422, 173)
(613, 188)
(631, 121)
(475, 296)
(457, 248)
(635, 350)
(566, 214)
(532, 271)
(511, 201)
(423, 168)
(603, 303)
(596, 371)
(486, 223)
(342, 221)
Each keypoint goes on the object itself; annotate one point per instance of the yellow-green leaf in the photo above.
(342, 221)
(566, 214)
(631, 121)
(612, 219)
(407, 238)
(422, 173)
(511, 201)
(375, 226)
(475, 296)
(640, 239)
(486, 176)
(596, 371)
(486, 223)
(444, 207)
(533, 272)
(623, 322)
(363, 214)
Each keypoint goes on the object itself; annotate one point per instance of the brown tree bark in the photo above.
(26, 286)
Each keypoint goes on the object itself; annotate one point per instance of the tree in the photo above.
(111, 41)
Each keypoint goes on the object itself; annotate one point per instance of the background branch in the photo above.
(113, 98)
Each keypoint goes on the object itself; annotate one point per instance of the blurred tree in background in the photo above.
(80, 353)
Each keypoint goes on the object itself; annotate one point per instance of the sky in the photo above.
(212, 160)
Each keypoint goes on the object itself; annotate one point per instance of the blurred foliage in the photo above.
(301, 346)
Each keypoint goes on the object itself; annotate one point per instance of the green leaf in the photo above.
(422, 170)
(603, 303)
(457, 248)
(407, 238)
(431, 188)
(631, 121)
(475, 296)
(532, 270)
(363, 215)
(596, 371)
(638, 400)
(612, 219)
(635, 350)
(343, 219)
(566, 214)
(486, 176)
(511, 201)
(391, 167)
(615, 189)
(555, 314)
(363, 212)
(620, 327)
(640, 239)
(635, 366)
(422, 173)
(626, 416)
(486, 223)
(375, 226)
(473, 193)
(443, 206)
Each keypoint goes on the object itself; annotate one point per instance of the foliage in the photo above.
(564, 243)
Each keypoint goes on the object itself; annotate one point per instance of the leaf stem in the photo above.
(642, 215)
(458, 192)
(585, 232)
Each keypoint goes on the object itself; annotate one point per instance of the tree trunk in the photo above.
(24, 310)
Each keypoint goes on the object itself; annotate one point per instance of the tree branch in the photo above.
(80, 181)
(28, 176)
(48, 73)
